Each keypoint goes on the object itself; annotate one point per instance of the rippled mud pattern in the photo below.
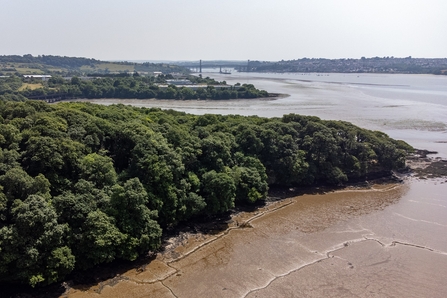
(412, 124)
(396, 271)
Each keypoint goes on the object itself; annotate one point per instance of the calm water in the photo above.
(385, 241)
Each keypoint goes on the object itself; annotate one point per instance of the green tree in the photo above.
(250, 187)
(98, 169)
(219, 191)
(134, 219)
(33, 248)
(100, 241)
(17, 184)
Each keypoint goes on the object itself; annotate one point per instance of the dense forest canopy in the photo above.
(84, 184)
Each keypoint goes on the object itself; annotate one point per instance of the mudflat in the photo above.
(356, 242)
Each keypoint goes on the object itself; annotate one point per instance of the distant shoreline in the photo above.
(272, 96)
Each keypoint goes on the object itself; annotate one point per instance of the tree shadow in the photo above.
(24, 291)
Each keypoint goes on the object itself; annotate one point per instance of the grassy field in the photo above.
(33, 68)
(112, 67)
(23, 70)
(30, 86)
(56, 69)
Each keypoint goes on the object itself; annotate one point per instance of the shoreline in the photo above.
(272, 96)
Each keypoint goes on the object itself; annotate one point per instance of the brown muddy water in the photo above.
(387, 240)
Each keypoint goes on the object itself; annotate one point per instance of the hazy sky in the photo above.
(225, 29)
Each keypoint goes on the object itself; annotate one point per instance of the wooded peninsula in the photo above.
(84, 184)
(124, 86)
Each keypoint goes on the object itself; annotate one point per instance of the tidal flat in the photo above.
(354, 242)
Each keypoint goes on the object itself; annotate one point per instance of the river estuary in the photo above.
(384, 240)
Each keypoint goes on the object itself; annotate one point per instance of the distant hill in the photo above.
(48, 64)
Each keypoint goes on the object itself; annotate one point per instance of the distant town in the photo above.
(363, 65)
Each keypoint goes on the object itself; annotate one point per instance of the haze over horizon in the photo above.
(224, 30)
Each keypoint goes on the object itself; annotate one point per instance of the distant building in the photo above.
(178, 82)
(83, 78)
(39, 77)
(195, 87)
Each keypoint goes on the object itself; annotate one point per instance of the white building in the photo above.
(41, 77)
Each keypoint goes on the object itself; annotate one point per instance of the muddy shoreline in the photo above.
(179, 248)
(271, 96)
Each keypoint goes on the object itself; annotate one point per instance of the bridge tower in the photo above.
(200, 69)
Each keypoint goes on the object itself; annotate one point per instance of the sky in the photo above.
(266, 30)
